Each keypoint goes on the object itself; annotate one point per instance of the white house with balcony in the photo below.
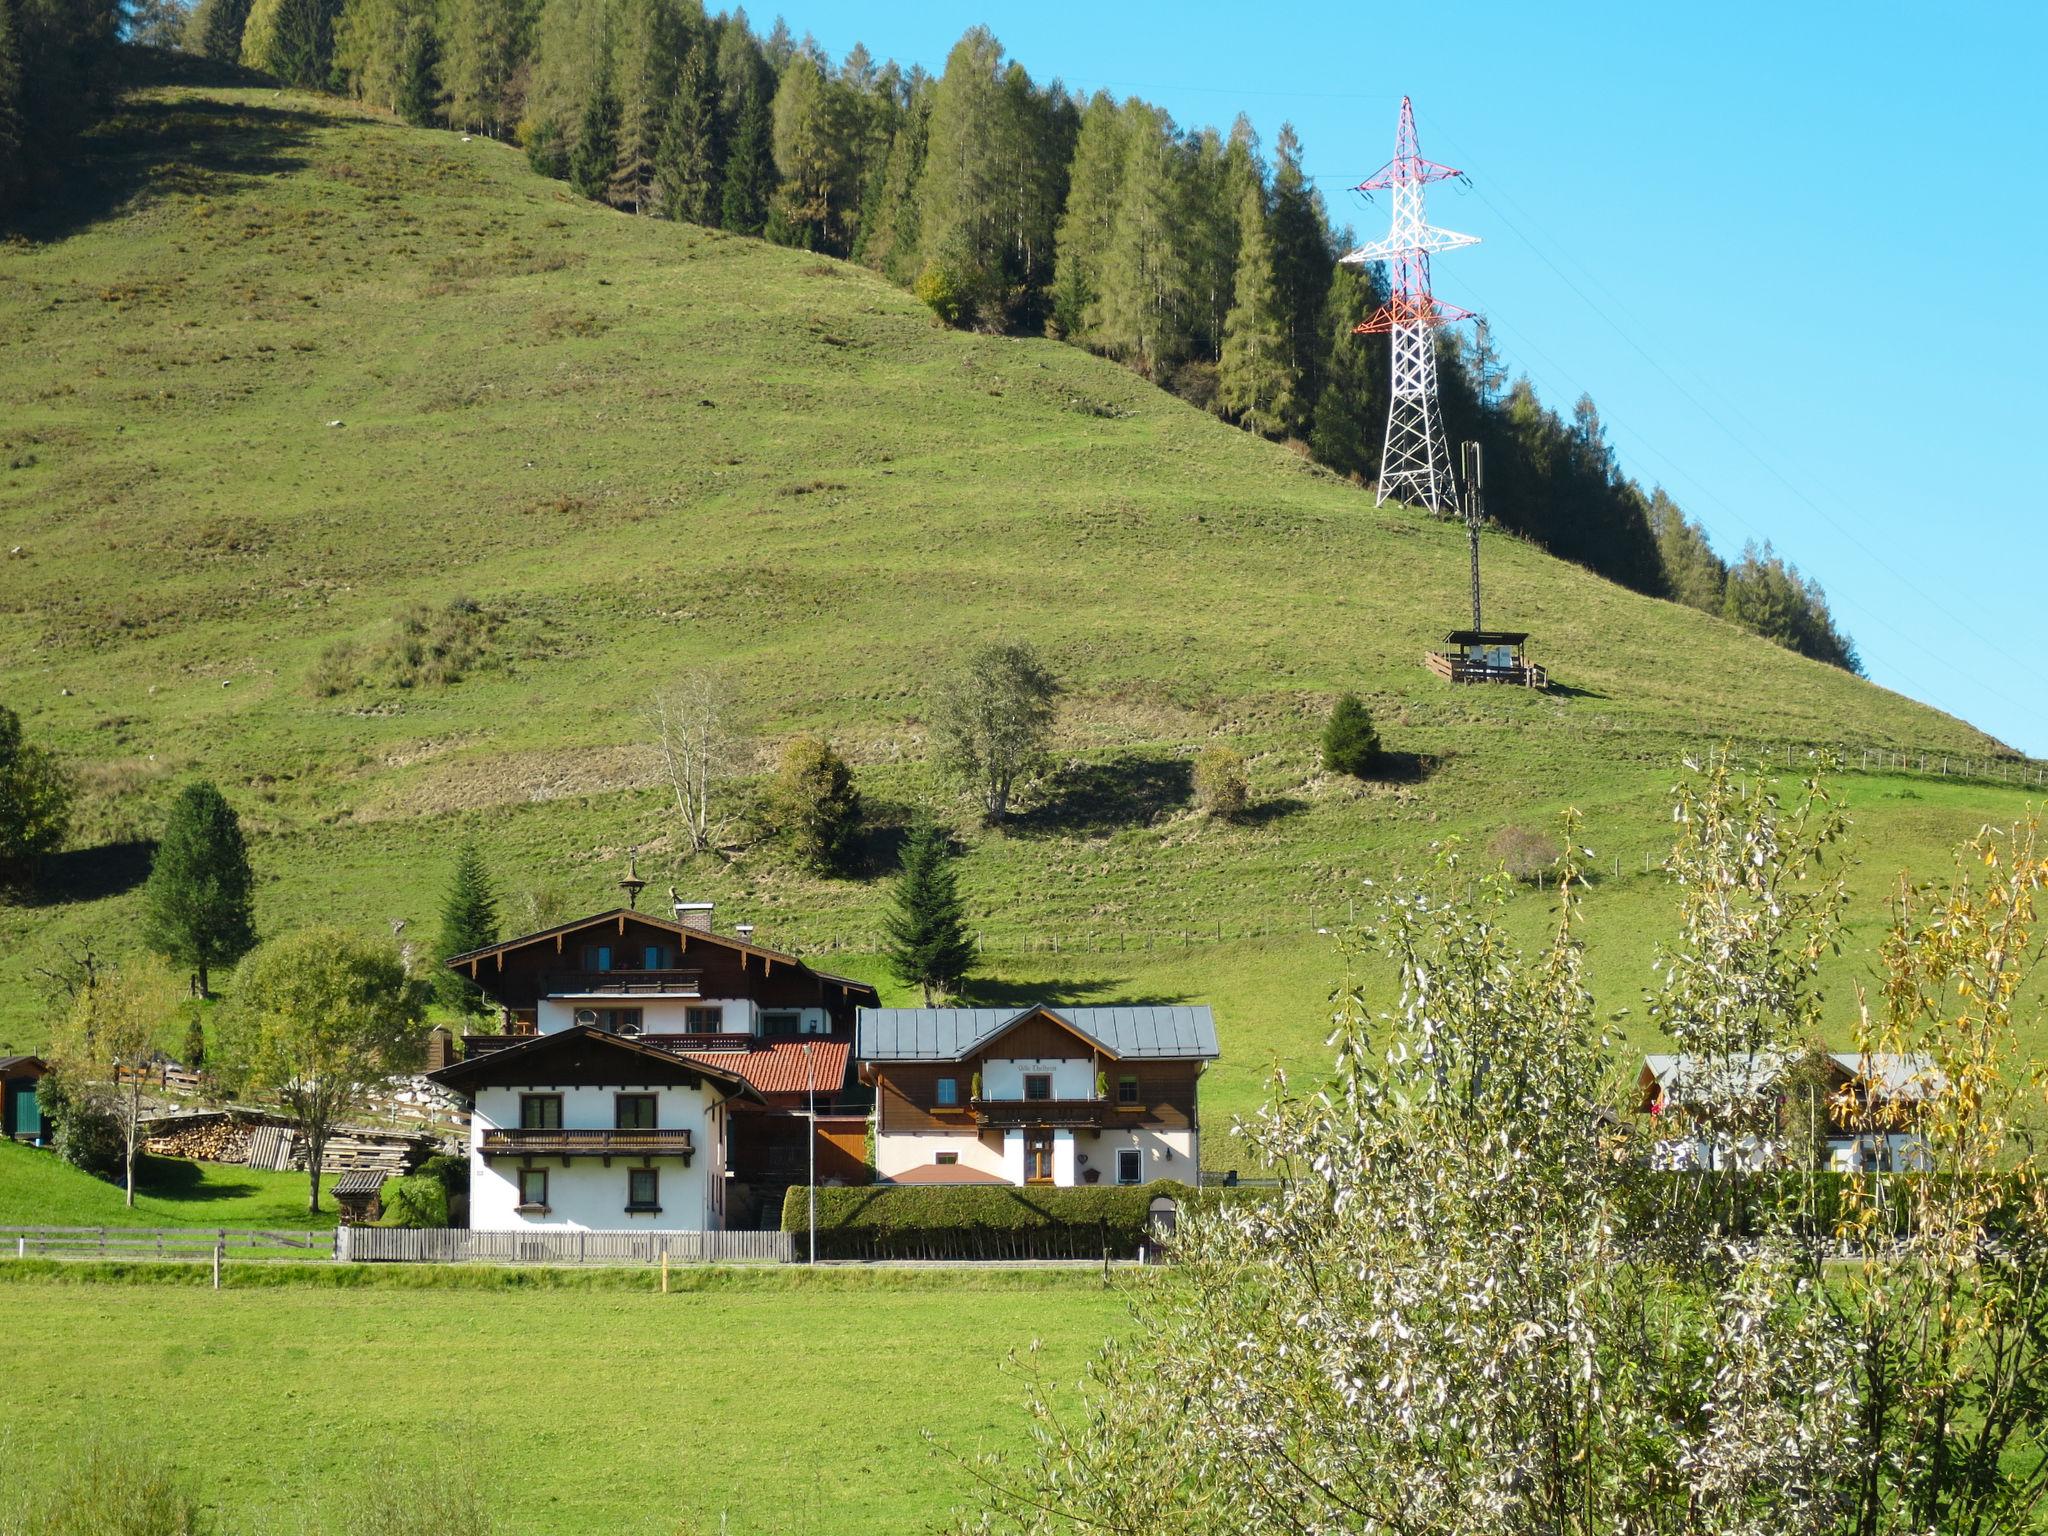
(1040, 1095)
(580, 1129)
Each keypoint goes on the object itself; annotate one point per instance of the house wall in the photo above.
(1002, 1077)
(906, 1150)
(585, 1194)
(1168, 1154)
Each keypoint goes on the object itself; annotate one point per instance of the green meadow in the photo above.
(744, 1402)
(283, 371)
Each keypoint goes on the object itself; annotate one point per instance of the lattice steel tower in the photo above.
(1416, 464)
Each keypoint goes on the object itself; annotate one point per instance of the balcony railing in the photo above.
(1046, 1112)
(523, 1141)
(622, 983)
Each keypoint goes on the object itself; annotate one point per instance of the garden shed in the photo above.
(359, 1194)
(21, 1116)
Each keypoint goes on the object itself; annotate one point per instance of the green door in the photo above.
(24, 1114)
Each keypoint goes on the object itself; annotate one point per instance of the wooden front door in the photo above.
(1038, 1157)
(24, 1113)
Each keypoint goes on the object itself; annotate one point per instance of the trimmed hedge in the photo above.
(978, 1221)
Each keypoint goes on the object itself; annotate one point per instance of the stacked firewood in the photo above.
(209, 1138)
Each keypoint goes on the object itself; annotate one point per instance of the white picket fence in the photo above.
(455, 1245)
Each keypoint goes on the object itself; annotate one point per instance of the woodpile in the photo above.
(388, 1153)
(205, 1138)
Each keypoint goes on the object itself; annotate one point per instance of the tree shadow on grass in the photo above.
(1128, 790)
(144, 147)
(173, 1178)
(91, 874)
(1075, 991)
(1406, 767)
(1559, 690)
(1266, 812)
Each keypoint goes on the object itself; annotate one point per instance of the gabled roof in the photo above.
(690, 934)
(1890, 1073)
(9, 1063)
(581, 1054)
(950, 1034)
(780, 1067)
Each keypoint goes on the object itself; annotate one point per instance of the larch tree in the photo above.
(810, 157)
(926, 940)
(959, 195)
(1144, 283)
(106, 1040)
(1256, 377)
(469, 921)
(319, 1019)
(649, 37)
(197, 906)
(686, 164)
(1089, 221)
(484, 45)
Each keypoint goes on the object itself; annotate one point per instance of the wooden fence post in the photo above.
(216, 1266)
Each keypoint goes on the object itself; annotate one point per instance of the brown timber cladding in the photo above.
(906, 1096)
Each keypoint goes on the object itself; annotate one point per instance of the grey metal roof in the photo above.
(948, 1034)
(1889, 1073)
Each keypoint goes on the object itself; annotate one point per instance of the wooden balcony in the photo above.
(565, 1144)
(622, 984)
(1006, 1114)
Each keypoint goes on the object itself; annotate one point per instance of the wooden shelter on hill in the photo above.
(1487, 656)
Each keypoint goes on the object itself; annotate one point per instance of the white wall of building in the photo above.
(1167, 1154)
(1003, 1077)
(900, 1152)
(585, 1194)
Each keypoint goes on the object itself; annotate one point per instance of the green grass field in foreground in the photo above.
(751, 1407)
(38, 1190)
(284, 369)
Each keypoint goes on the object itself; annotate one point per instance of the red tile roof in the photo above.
(778, 1067)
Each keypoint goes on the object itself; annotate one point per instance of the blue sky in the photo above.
(1793, 251)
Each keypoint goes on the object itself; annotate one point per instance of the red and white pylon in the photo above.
(1416, 464)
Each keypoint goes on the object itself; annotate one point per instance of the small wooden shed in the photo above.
(360, 1195)
(1487, 656)
(21, 1114)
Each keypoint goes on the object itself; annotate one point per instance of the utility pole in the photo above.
(1472, 466)
(811, 1087)
(1416, 462)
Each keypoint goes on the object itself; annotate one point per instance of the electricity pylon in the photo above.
(1416, 464)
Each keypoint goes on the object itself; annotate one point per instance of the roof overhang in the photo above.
(572, 1055)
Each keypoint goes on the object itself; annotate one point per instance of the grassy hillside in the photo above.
(283, 372)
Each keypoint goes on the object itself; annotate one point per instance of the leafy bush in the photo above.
(447, 1169)
(1350, 744)
(813, 804)
(35, 802)
(81, 1126)
(938, 290)
(1523, 852)
(978, 1220)
(100, 1489)
(1223, 785)
(415, 1201)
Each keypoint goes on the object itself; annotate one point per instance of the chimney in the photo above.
(694, 914)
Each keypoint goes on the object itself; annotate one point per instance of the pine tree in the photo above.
(686, 164)
(749, 173)
(597, 145)
(1303, 261)
(1255, 377)
(469, 920)
(926, 939)
(196, 907)
(419, 88)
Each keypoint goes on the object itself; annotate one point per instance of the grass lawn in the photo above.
(755, 1405)
(38, 1190)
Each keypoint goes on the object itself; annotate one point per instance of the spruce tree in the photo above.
(963, 190)
(926, 939)
(597, 145)
(1255, 378)
(686, 164)
(13, 145)
(1351, 411)
(419, 88)
(196, 907)
(484, 44)
(215, 30)
(1303, 261)
(749, 174)
(469, 920)
(1350, 743)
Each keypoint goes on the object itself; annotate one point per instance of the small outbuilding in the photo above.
(1487, 656)
(359, 1194)
(21, 1113)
